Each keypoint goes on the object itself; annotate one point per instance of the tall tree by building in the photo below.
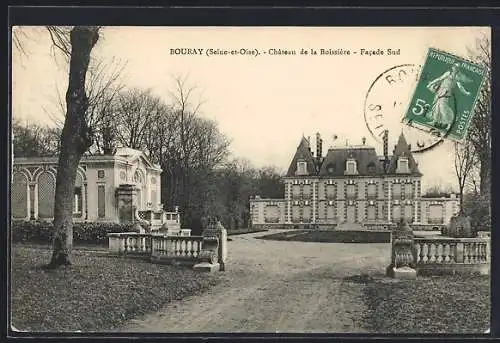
(76, 138)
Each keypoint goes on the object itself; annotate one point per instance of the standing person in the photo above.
(441, 111)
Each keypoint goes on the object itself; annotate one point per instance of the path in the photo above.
(276, 286)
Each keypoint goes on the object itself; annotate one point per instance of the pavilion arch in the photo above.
(140, 179)
(25, 171)
(40, 170)
(82, 173)
(20, 194)
(46, 187)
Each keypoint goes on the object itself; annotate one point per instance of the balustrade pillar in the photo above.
(459, 252)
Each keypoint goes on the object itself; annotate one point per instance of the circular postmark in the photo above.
(385, 104)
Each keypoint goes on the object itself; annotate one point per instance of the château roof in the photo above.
(402, 149)
(303, 153)
(367, 161)
(366, 158)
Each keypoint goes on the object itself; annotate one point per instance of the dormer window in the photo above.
(301, 168)
(402, 166)
(330, 168)
(351, 167)
(371, 168)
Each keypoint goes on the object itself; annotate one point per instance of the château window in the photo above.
(402, 165)
(409, 190)
(77, 207)
(371, 168)
(100, 174)
(351, 167)
(371, 190)
(330, 168)
(371, 211)
(396, 190)
(301, 168)
(351, 191)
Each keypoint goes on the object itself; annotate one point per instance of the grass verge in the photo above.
(243, 231)
(445, 304)
(331, 236)
(96, 293)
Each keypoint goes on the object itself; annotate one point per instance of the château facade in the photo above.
(352, 185)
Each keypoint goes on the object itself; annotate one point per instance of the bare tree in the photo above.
(480, 130)
(136, 112)
(464, 163)
(76, 138)
(103, 83)
(76, 45)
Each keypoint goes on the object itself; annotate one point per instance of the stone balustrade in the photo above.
(130, 244)
(180, 248)
(161, 248)
(453, 255)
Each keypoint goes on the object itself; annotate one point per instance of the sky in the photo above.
(263, 103)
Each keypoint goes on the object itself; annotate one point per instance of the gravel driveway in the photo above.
(276, 286)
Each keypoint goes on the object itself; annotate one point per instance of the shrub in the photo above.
(478, 209)
(84, 233)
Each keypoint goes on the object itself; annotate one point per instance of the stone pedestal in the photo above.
(403, 253)
(214, 248)
(126, 198)
(222, 233)
(206, 267)
(460, 227)
(114, 244)
(404, 273)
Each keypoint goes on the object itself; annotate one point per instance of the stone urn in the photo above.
(213, 252)
(460, 226)
(403, 252)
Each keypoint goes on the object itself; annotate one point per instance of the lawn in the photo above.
(451, 304)
(331, 236)
(96, 293)
(243, 231)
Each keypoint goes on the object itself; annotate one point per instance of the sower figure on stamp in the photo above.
(441, 112)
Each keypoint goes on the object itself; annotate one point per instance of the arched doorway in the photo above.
(19, 196)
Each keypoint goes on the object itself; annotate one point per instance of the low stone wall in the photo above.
(176, 249)
(155, 247)
(160, 248)
(437, 256)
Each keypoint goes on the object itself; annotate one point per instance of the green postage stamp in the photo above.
(445, 95)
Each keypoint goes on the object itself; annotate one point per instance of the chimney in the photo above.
(318, 146)
(386, 144)
(386, 149)
(363, 140)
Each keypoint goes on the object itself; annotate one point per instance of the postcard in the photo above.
(251, 179)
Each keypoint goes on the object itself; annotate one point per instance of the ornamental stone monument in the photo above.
(213, 252)
(403, 253)
(460, 226)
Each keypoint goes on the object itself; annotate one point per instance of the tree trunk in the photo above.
(461, 200)
(484, 175)
(76, 139)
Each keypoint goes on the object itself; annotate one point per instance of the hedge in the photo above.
(83, 233)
